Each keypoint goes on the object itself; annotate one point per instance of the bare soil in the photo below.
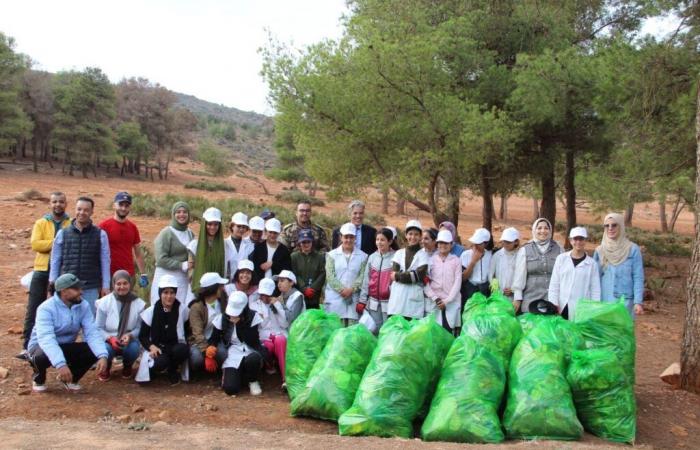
(200, 414)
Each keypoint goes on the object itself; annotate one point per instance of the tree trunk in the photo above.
(662, 213)
(35, 165)
(677, 209)
(486, 200)
(503, 208)
(548, 207)
(401, 207)
(690, 350)
(385, 201)
(629, 212)
(535, 209)
(570, 188)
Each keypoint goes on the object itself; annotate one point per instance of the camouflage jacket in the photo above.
(290, 234)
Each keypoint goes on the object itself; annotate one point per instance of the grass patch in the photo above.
(211, 186)
(197, 172)
(31, 194)
(296, 196)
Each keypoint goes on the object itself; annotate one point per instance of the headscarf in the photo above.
(449, 226)
(543, 245)
(614, 251)
(209, 258)
(174, 223)
(125, 300)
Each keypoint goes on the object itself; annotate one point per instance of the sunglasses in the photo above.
(610, 225)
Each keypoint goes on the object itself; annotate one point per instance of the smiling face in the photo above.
(284, 285)
(212, 228)
(83, 212)
(256, 236)
(578, 243)
(382, 243)
(612, 229)
(542, 232)
(444, 248)
(58, 204)
(182, 216)
(357, 215)
(272, 237)
(303, 214)
(427, 241)
(306, 246)
(122, 287)
(238, 231)
(509, 246)
(244, 277)
(413, 236)
(122, 209)
(167, 297)
(347, 241)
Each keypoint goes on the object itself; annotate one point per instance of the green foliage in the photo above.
(222, 130)
(291, 175)
(130, 141)
(197, 173)
(210, 186)
(14, 123)
(653, 242)
(215, 158)
(296, 196)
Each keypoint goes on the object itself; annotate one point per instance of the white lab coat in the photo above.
(346, 272)
(273, 322)
(234, 256)
(144, 374)
(407, 300)
(237, 350)
(570, 284)
(109, 307)
(503, 268)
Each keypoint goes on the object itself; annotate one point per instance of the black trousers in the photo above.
(468, 289)
(79, 359)
(248, 371)
(37, 294)
(170, 358)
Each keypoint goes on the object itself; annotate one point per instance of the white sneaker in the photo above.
(36, 387)
(72, 387)
(255, 388)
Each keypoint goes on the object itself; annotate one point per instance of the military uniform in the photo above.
(290, 235)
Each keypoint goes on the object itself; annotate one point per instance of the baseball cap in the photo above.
(210, 279)
(578, 232)
(348, 229)
(212, 215)
(288, 274)
(273, 225)
(122, 197)
(444, 236)
(306, 235)
(266, 214)
(480, 236)
(237, 302)
(245, 264)
(239, 219)
(413, 224)
(266, 286)
(510, 235)
(167, 281)
(67, 280)
(257, 223)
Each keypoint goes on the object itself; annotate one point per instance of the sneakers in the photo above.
(284, 387)
(255, 388)
(38, 387)
(23, 355)
(127, 372)
(104, 375)
(72, 387)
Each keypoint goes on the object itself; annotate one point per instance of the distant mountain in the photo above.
(225, 113)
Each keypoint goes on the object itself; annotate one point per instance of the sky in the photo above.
(205, 48)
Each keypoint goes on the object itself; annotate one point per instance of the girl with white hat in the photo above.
(442, 292)
(574, 277)
(476, 263)
(238, 330)
(409, 274)
(376, 282)
(503, 262)
(345, 268)
(210, 257)
(238, 247)
(208, 304)
(270, 257)
(243, 281)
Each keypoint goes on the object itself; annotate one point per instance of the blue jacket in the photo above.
(626, 278)
(57, 324)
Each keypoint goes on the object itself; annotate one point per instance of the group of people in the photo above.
(223, 305)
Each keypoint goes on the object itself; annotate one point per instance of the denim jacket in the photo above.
(626, 278)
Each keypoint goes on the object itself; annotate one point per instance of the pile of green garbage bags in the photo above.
(307, 339)
(400, 378)
(334, 378)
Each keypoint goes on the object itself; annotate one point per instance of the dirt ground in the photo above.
(108, 415)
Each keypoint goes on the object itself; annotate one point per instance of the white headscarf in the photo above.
(614, 251)
(542, 246)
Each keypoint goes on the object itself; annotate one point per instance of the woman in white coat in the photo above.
(574, 277)
(409, 275)
(442, 292)
(118, 319)
(345, 268)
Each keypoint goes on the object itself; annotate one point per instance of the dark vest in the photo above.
(539, 272)
(80, 254)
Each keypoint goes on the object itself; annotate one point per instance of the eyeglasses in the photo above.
(610, 225)
(304, 210)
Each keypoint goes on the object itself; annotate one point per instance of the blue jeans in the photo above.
(129, 353)
(90, 296)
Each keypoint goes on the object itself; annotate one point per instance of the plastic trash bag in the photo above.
(334, 378)
(606, 325)
(468, 396)
(399, 379)
(539, 403)
(307, 338)
(603, 395)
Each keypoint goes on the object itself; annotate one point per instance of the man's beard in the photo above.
(59, 212)
(121, 215)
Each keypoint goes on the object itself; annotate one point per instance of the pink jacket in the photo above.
(445, 278)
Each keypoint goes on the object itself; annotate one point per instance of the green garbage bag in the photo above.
(307, 337)
(603, 395)
(466, 402)
(403, 372)
(563, 334)
(491, 322)
(539, 403)
(334, 378)
(609, 326)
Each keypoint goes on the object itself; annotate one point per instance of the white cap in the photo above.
(578, 232)
(444, 236)
(236, 303)
(288, 274)
(239, 219)
(394, 231)
(257, 223)
(210, 279)
(167, 281)
(212, 215)
(266, 286)
(413, 224)
(273, 225)
(480, 236)
(510, 235)
(348, 229)
(245, 264)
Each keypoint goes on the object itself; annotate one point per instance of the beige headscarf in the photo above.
(614, 251)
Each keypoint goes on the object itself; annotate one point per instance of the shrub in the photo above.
(215, 158)
(210, 186)
(197, 173)
(296, 196)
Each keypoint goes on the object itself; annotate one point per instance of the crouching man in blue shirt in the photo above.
(58, 321)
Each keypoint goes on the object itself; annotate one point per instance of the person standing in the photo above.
(365, 235)
(43, 233)
(503, 262)
(170, 248)
(457, 248)
(376, 282)
(309, 267)
(345, 268)
(124, 240)
(621, 266)
(257, 230)
(82, 248)
(208, 253)
(443, 290)
(270, 257)
(409, 276)
(476, 263)
(533, 266)
(574, 277)
(290, 234)
(59, 320)
(238, 247)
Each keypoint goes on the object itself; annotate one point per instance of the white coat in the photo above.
(274, 319)
(234, 256)
(407, 300)
(347, 272)
(108, 308)
(570, 284)
(143, 374)
(237, 350)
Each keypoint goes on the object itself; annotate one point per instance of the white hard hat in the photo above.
(212, 215)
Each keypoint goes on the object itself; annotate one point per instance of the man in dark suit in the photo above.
(365, 235)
